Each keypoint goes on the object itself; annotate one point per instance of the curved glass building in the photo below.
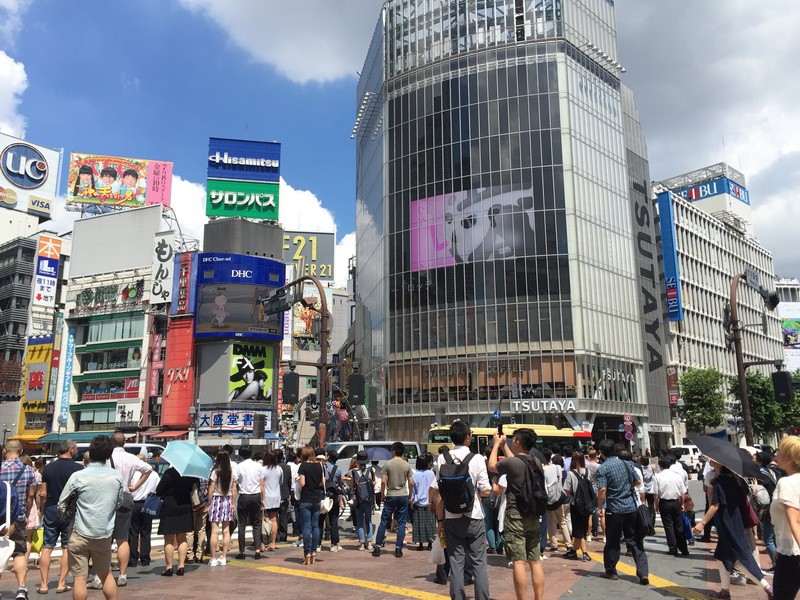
(503, 224)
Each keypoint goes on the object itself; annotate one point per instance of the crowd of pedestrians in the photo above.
(510, 501)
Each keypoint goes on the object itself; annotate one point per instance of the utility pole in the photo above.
(771, 301)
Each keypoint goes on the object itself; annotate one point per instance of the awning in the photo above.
(30, 438)
(165, 435)
(76, 436)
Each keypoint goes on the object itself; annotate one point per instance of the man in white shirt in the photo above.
(465, 532)
(127, 465)
(141, 524)
(669, 487)
(677, 466)
(250, 483)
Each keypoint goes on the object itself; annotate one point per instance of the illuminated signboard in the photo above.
(715, 187)
(28, 175)
(244, 160)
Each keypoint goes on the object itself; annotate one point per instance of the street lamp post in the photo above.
(771, 301)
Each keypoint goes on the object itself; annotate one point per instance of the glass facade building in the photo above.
(495, 217)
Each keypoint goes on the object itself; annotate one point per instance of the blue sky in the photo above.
(154, 79)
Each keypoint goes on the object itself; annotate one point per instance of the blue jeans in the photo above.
(397, 506)
(491, 524)
(362, 512)
(309, 515)
(768, 529)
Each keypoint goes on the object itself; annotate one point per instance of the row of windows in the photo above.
(111, 330)
(481, 325)
(496, 281)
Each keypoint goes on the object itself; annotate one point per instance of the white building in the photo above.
(714, 243)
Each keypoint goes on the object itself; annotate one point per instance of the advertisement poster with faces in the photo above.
(118, 182)
(251, 374)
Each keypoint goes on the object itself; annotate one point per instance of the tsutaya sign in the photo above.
(545, 406)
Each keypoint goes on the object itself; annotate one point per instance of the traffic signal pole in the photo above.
(736, 329)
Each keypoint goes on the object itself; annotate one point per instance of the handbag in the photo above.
(152, 505)
(326, 505)
(6, 545)
(37, 540)
(644, 516)
(437, 557)
(266, 526)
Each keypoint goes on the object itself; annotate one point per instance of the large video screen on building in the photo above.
(232, 291)
(118, 181)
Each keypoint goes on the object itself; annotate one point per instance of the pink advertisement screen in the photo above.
(429, 246)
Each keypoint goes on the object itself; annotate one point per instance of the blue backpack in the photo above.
(14, 503)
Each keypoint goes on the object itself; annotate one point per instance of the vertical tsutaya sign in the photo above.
(163, 266)
(672, 272)
(46, 279)
(315, 249)
(67, 389)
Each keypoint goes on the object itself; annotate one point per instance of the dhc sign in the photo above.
(715, 187)
(672, 273)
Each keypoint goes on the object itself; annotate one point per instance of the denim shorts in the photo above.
(54, 527)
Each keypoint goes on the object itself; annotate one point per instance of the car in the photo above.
(689, 456)
(380, 451)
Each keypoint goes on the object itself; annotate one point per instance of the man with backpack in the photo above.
(462, 479)
(23, 478)
(397, 488)
(526, 501)
(362, 484)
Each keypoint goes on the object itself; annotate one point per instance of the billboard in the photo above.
(248, 199)
(715, 187)
(244, 160)
(163, 267)
(66, 389)
(232, 290)
(28, 175)
(672, 272)
(789, 313)
(46, 280)
(178, 394)
(125, 239)
(183, 285)
(472, 226)
(315, 249)
(117, 181)
(251, 374)
(215, 421)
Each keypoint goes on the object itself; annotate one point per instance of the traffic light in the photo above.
(291, 387)
(355, 386)
(782, 383)
(258, 427)
(279, 302)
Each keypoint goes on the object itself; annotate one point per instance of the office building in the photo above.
(499, 167)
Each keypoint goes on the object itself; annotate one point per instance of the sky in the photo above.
(155, 80)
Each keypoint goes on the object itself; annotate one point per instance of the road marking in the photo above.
(655, 580)
(328, 578)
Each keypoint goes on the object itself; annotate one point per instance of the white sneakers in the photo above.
(336, 548)
(217, 562)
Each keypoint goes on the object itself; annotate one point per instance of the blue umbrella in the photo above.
(188, 459)
(378, 453)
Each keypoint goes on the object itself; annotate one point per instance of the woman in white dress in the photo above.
(273, 477)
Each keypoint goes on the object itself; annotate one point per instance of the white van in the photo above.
(149, 451)
(690, 456)
(379, 450)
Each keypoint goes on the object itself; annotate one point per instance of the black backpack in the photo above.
(584, 495)
(532, 495)
(455, 484)
(365, 489)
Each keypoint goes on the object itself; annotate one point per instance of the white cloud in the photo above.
(189, 203)
(301, 210)
(13, 82)
(345, 249)
(717, 85)
(313, 40)
(11, 12)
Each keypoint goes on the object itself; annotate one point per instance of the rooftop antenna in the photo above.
(246, 133)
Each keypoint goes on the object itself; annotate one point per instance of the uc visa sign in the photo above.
(28, 176)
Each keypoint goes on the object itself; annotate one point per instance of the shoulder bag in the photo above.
(152, 505)
(644, 518)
